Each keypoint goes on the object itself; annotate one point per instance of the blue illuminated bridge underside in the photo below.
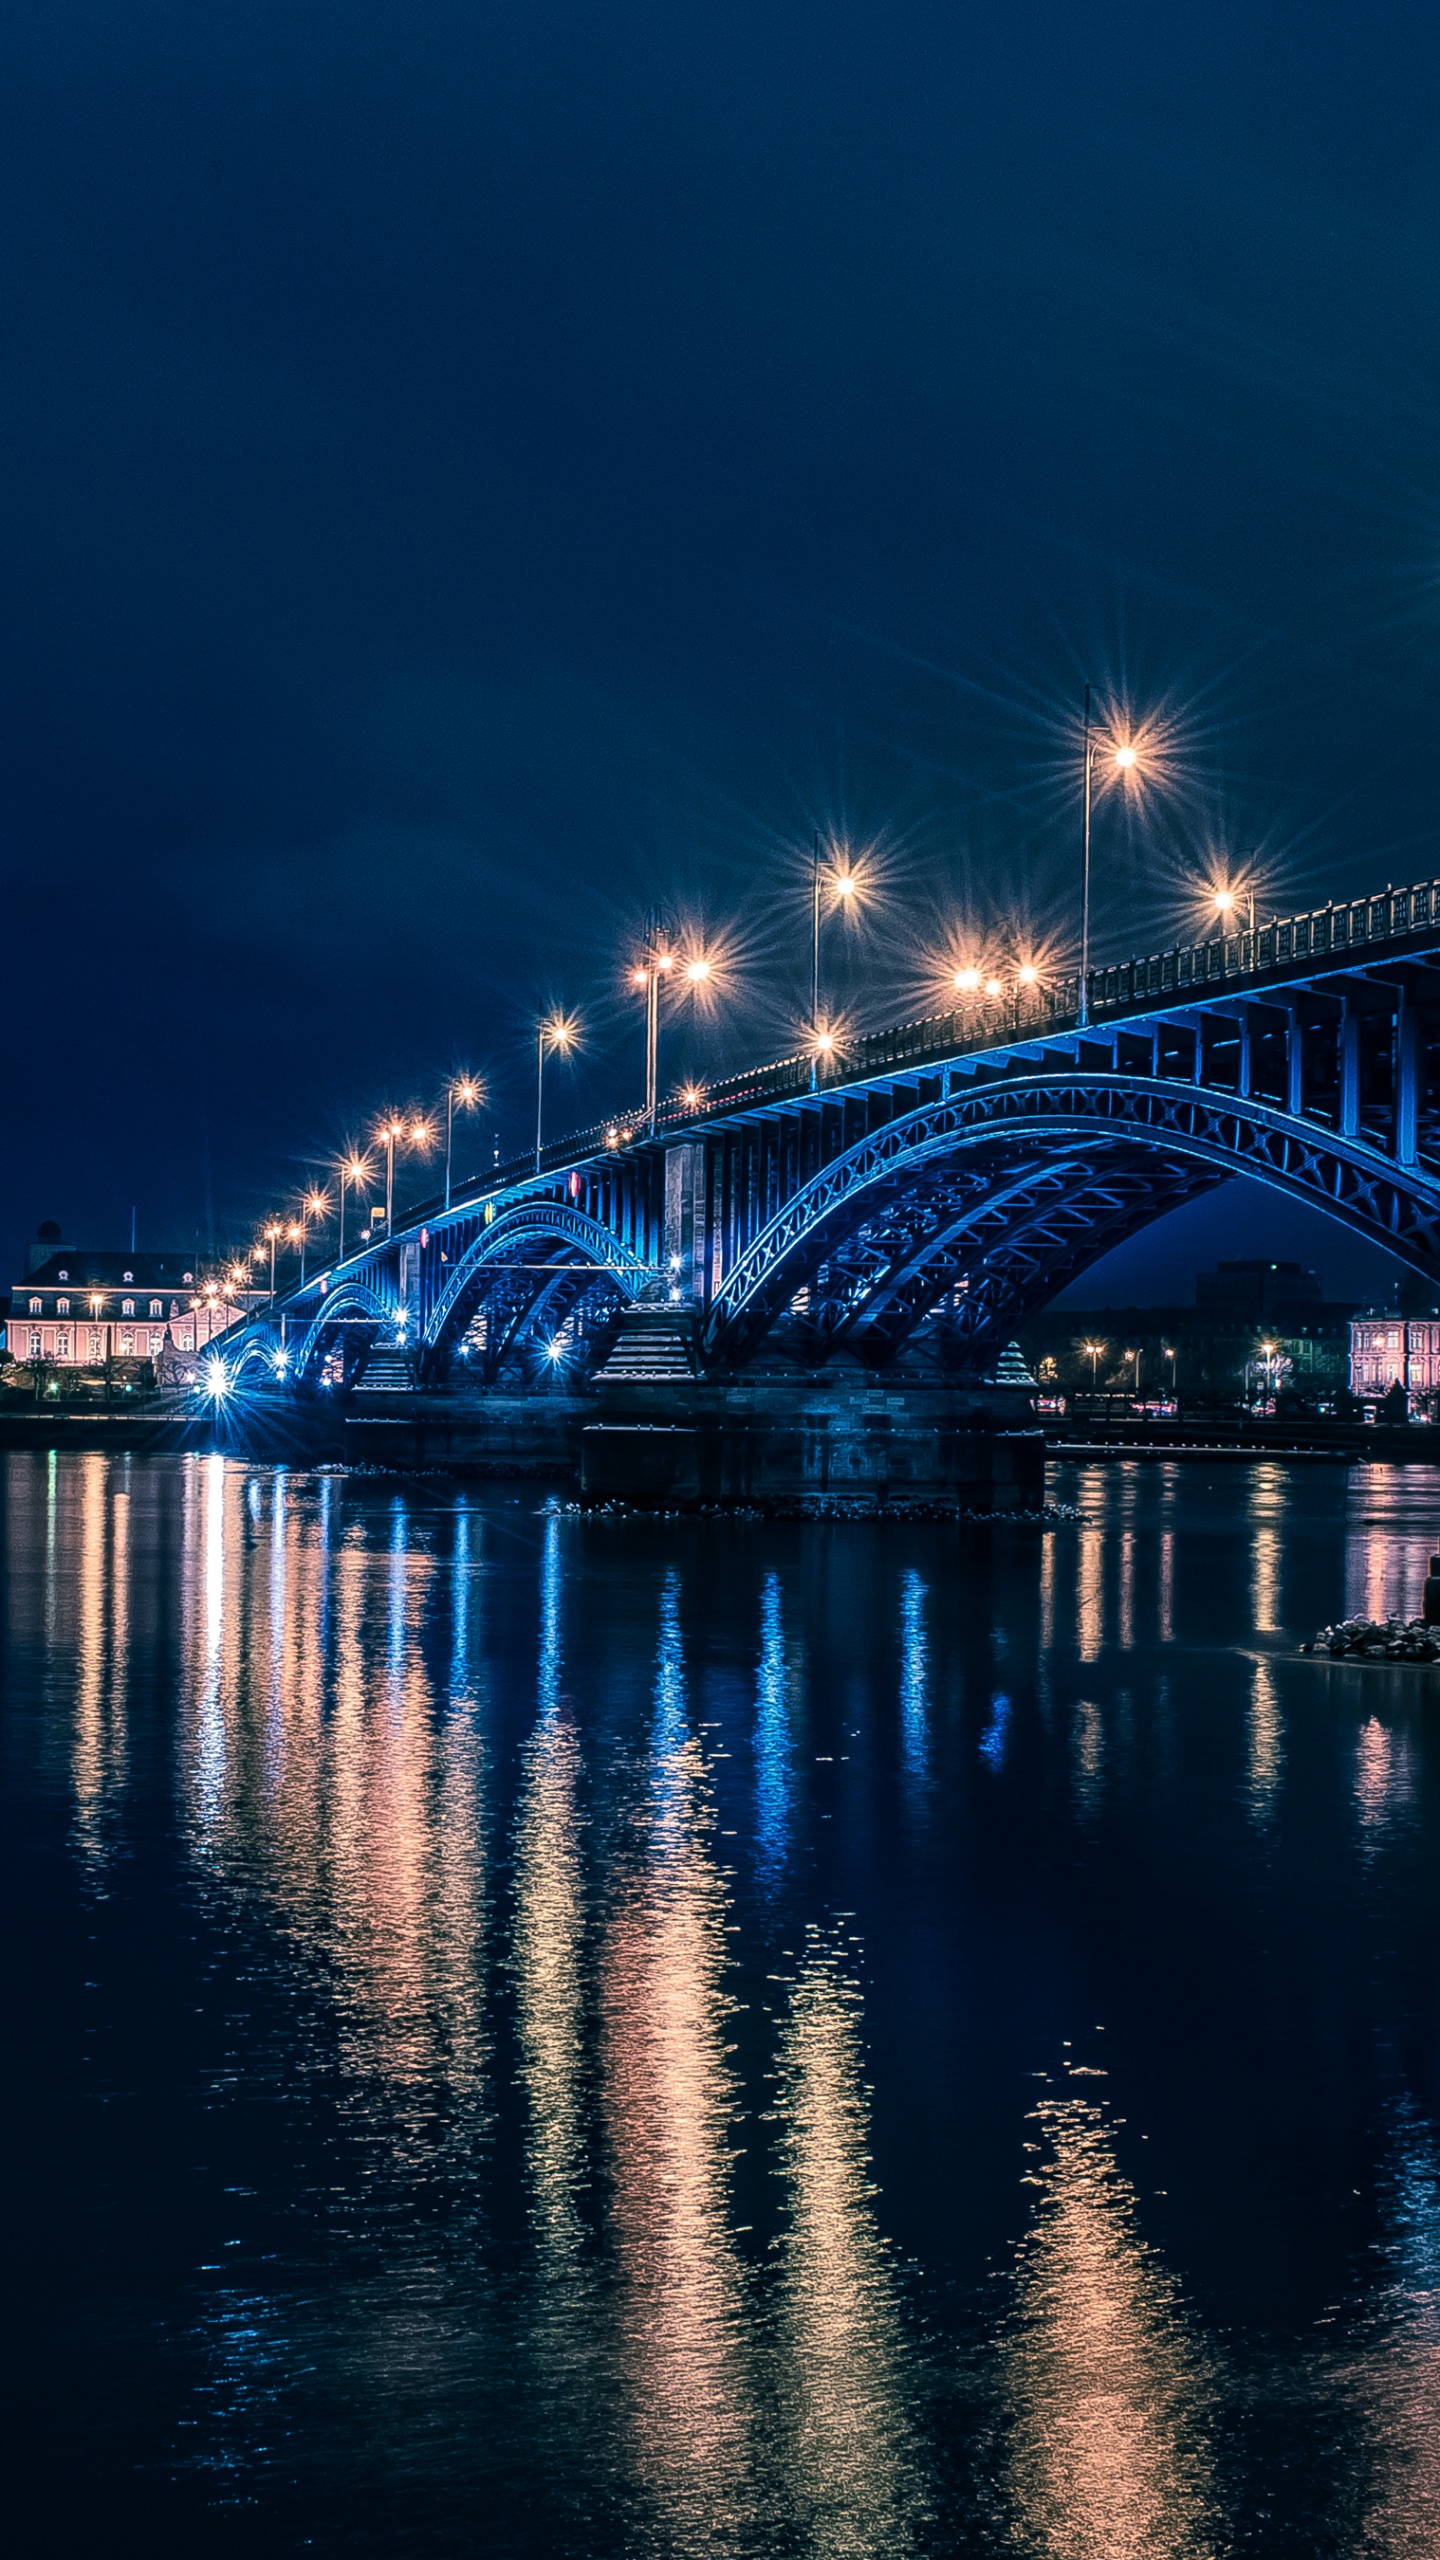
(942, 1180)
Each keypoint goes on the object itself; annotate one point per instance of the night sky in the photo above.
(467, 472)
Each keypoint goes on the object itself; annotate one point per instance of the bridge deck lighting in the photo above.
(992, 987)
(1126, 759)
(1029, 974)
(216, 1380)
(967, 980)
(691, 1096)
(697, 971)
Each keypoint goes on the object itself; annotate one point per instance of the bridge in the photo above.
(910, 1201)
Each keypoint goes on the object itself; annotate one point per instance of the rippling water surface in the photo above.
(547, 2036)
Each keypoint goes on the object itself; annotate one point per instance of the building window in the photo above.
(62, 1306)
(156, 1308)
(62, 1342)
(157, 1344)
(174, 1309)
(127, 1275)
(95, 1351)
(64, 1275)
(127, 1342)
(34, 1342)
(187, 1275)
(127, 1306)
(37, 1306)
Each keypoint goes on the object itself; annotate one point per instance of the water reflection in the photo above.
(1090, 1594)
(852, 2468)
(102, 1644)
(773, 1769)
(1108, 2395)
(1386, 1781)
(914, 1675)
(1268, 1507)
(1265, 1742)
(549, 1934)
(670, 2103)
(1087, 1757)
(1398, 2382)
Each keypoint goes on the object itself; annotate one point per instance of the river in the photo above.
(556, 2036)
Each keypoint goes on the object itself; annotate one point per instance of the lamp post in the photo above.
(350, 1169)
(1125, 762)
(390, 1132)
(660, 963)
(272, 1237)
(1092, 1351)
(843, 885)
(467, 1091)
(555, 1031)
(312, 1206)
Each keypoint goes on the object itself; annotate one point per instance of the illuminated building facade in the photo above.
(79, 1308)
(1388, 1351)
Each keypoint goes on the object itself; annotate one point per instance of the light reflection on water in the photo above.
(523, 2025)
(1110, 2403)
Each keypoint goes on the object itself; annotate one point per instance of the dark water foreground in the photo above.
(534, 2035)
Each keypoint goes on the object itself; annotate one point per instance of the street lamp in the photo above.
(843, 887)
(556, 1031)
(1125, 759)
(392, 1133)
(467, 1091)
(350, 1169)
(1092, 1351)
(272, 1238)
(312, 1206)
(660, 963)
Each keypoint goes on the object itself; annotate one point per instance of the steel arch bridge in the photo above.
(942, 1180)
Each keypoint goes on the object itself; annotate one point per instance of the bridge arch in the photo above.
(540, 1261)
(1004, 1192)
(354, 1302)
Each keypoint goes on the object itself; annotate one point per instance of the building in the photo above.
(1256, 1292)
(80, 1308)
(1390, 1351)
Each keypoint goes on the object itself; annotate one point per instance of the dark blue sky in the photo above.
(466, 471)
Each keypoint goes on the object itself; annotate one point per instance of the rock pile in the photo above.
(1378, 1640)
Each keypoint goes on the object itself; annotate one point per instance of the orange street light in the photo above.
(1125, 758)
(556, 1031)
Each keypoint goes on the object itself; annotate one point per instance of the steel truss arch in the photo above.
(496, 1247)
(1089, 1114)
(353, 1300)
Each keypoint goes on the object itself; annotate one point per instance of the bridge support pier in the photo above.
(792, 1445)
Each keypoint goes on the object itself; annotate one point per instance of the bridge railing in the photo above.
(1337, 931)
